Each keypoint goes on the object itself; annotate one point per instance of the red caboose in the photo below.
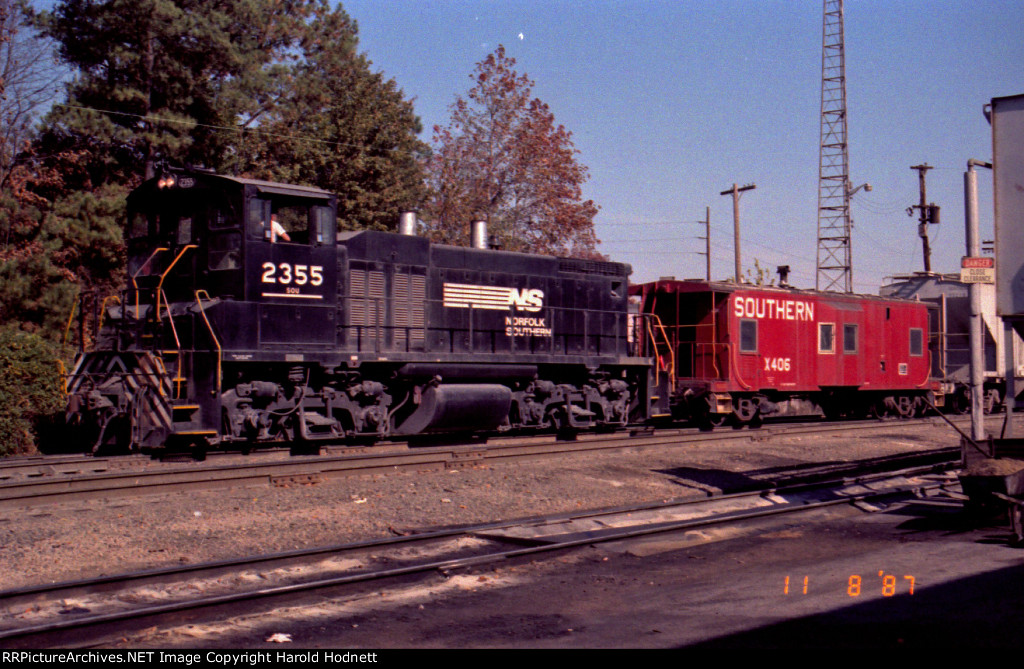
(726, 349)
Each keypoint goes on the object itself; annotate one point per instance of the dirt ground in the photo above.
(65, 542)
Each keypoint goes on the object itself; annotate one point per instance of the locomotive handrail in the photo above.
(139, 271)
(209, 327)
(103, 309)
(177, 343)
(160, 286)
(372, 333)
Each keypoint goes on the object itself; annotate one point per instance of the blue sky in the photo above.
(672, 101)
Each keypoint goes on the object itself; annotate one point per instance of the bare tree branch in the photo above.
(29, 79)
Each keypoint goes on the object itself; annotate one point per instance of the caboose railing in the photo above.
(655, 328)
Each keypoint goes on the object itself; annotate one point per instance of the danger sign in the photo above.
(977, 270)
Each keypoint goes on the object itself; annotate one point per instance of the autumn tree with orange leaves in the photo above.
(503, 159)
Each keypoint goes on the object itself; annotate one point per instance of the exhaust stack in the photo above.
(478, 239)
(407, 223)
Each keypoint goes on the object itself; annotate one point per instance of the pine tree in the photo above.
(502, 158)
(340, 126)
(164, 80)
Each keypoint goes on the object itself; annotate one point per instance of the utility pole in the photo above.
(707, 240)
(735, 192)
(974, 292)
(928, 213)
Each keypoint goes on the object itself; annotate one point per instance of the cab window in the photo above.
(257, 218)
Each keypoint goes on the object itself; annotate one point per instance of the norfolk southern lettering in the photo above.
(774, 308)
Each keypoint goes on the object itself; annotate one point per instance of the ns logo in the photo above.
(495, 298)
(527, 299)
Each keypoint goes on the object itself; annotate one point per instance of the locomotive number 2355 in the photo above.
(300, 275)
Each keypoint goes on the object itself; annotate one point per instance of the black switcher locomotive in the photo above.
(248, 319)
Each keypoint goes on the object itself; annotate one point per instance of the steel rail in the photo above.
(37, 491)
(145, 615)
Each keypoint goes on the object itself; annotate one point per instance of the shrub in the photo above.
(30, 388)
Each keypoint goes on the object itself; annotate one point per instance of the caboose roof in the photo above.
(699, 286)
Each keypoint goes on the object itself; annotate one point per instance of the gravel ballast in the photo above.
(66, 542)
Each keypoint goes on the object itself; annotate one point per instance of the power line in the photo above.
(234, 129)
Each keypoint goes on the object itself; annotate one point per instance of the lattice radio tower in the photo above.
(835, 269)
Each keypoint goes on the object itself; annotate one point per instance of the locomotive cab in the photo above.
(206, 278)
(216, 234)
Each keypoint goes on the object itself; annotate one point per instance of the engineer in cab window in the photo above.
(277, 230)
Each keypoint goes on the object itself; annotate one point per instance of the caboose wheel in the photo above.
(879, 410)
(745, 412)
(905, 406)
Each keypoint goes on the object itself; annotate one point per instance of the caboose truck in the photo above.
(743, 352)
(230, 333)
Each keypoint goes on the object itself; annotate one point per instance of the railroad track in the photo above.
(96, 611)
(42, 483)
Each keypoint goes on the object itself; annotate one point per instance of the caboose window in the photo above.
(826, 337)
(916, 341)
(748, 336)
(849, 338)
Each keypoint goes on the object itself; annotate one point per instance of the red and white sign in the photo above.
(977, 270)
